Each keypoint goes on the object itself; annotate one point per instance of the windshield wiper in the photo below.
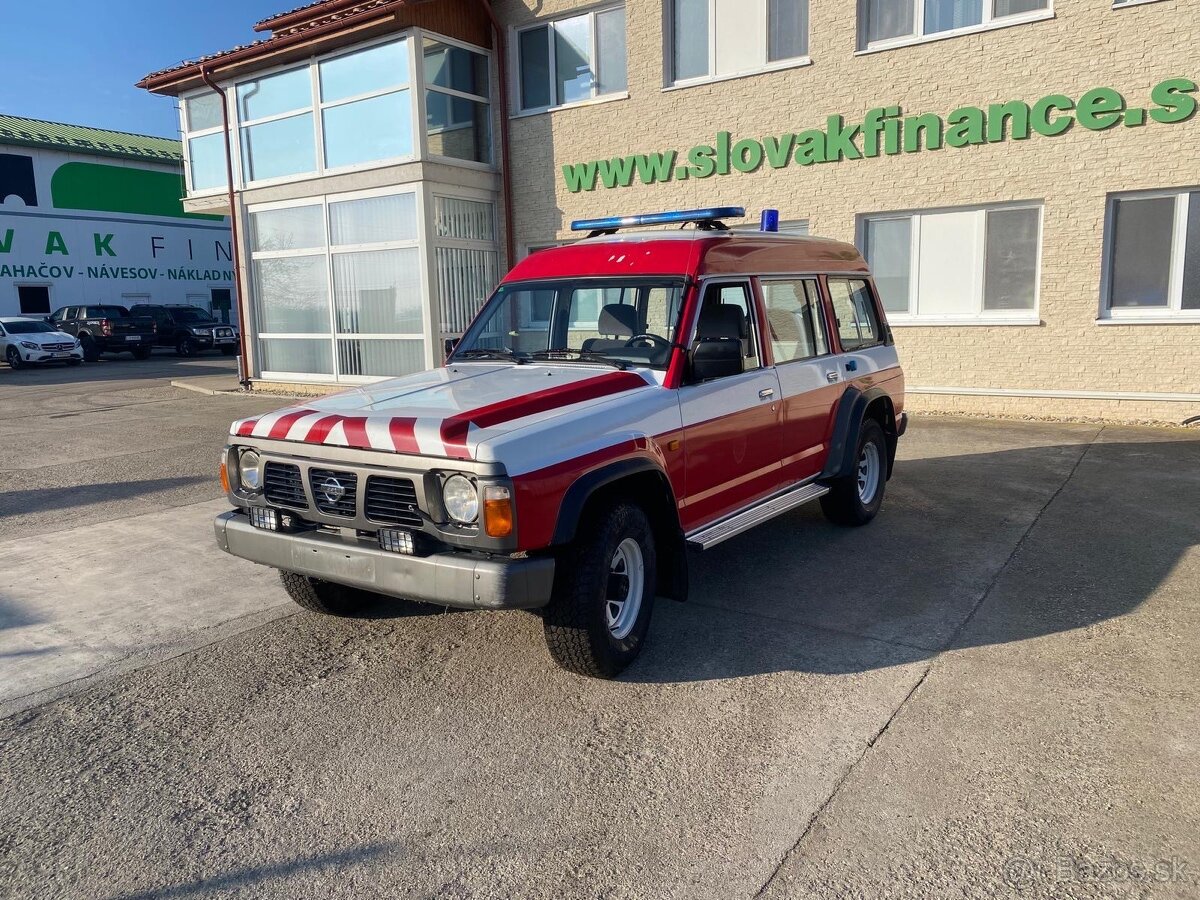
(587, 355)
(483, 353)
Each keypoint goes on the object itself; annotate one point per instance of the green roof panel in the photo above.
(22, 132)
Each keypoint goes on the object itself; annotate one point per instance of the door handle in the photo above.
(766, 393)
(832, 376)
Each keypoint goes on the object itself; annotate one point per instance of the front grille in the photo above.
(392, 501)
(336, 493)
(57, 347)
(283, 486)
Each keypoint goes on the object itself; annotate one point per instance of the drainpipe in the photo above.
(505, 158)
(243, 318)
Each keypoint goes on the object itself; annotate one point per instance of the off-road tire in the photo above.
(91, 353)
(142, 353)
(576, 631)
(323, 597)
(13, 357)
(185, 347)
(844, 505)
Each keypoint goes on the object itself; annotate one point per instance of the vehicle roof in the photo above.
(696, 253)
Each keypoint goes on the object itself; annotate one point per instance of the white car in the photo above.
(26, 342)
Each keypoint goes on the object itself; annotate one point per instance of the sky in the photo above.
(76, 61)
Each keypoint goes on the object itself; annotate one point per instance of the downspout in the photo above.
(505, 156)
(243, 318)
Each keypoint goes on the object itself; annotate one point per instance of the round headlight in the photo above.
(250, 470)
(461, 499)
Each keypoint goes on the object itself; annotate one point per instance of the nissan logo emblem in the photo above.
(332, 490)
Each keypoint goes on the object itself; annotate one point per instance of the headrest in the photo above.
(722, 320)
(618, 319)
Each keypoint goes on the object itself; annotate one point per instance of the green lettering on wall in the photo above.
(810, 147)
(102, 245)
(840, 142)
(1100, 108)
(56, 244)
(1014, 114)
(1042, 120)
(702, 162)
(6, 244)
(928, 126)
(1174, 100)
(747, 155)
(966, 127)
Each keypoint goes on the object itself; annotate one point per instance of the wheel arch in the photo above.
(643, 481)
(855, 407)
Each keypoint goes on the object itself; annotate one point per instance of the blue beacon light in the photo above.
(673, 217)
(769, 221)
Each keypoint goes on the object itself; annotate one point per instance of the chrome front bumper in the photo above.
(463, 580)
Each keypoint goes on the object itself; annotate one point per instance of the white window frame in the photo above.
(415, 85)
(187, 136)
(440, 241)
(672, 83)
(419, 107)
(1173, 312)
(332, 334)
(549, 24)
(989, 22)
(1122, 4)
(980, 316)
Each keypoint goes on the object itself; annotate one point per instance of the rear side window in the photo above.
(857, 323)
(106, 312)
(794, 319)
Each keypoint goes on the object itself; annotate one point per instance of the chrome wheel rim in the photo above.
(868, 473)
(623, 592)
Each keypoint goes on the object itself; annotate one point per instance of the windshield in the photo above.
(623, 321)
(27, 327)
(191, 314)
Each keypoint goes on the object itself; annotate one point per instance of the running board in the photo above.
(755, 515)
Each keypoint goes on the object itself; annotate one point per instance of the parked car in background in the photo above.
(106, 329)
(190, 329)
(29, 342)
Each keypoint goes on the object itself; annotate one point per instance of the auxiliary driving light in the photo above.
(396, 541)
(266, 519)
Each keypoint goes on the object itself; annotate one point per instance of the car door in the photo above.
(730, 425)
(867, 354)
(809, 376)
(65, 319)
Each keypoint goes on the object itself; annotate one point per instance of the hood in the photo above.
(42, 338)
(447, 412)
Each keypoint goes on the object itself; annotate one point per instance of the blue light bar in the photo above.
(675, 217)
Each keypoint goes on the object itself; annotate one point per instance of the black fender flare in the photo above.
(846, 427)
(673, 575)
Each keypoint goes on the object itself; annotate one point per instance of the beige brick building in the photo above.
(1048, 267)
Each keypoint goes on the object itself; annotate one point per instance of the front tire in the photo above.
(13, 357)
(856, 499)
(599, 614)
(323, 597)
(90, 352)
(185, 347)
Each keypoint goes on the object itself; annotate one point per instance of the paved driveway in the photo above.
(990, 691)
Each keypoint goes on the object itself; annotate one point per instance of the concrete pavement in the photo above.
(988, 692)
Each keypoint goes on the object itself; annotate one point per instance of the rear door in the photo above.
(868, 357)
(809, 377)
(731, 425)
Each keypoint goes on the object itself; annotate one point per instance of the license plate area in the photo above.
(133, 337)
(332, 562)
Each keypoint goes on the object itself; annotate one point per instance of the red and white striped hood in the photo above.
(448, 412)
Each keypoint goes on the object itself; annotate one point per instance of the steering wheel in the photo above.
(656, 339)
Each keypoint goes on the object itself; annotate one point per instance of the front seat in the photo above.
(618, 320)
(723, 320)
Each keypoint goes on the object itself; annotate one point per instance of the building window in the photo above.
(956, 266)
(887, 22)
(1152, 256)
(571, 60)
(338, 288)
(722, 38)
(366, 105)
(204, 137)
(275, 114)
(467, 259)
(458, 112)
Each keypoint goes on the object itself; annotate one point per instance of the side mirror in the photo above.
(451, 343)
(715, 358)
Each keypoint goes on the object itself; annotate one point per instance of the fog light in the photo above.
(396, 541)
(260, 517)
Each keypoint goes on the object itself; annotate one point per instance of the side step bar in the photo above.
(755, 515)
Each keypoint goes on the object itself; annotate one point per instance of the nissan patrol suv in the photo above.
(618, 403)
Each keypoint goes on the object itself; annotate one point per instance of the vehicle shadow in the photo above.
(1048, 541)
(163, 364)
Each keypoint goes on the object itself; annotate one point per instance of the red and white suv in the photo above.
(617, 402)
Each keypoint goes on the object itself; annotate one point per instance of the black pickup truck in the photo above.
(107, 329)
(190, 329)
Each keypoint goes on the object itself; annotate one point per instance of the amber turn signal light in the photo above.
(497, 511)
(225, 478)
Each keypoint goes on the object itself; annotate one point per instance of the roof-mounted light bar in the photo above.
(707, 219)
